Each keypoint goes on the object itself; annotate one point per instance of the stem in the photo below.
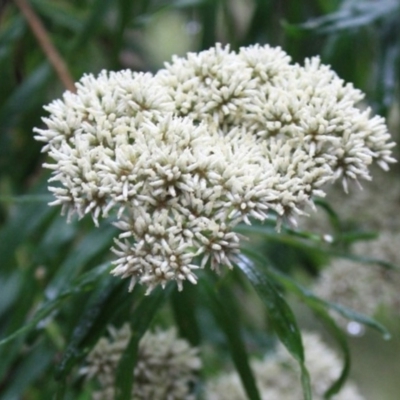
(47, 46)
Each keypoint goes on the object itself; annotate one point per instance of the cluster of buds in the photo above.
(217, 138)
(365, 288)
(166, 366)
(277, 373)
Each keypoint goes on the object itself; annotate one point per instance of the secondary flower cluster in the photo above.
(365, 288)
(165, 368)
(214, 139)
(367, 209)
(275, 376)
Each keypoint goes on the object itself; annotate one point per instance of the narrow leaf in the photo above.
(308, 297)
(82, 284)
(281, 315)
(316, 245)
(320, 308)
(28, 198)
(94, 312)
(226, 320)
(26, 94)
(142, 317)
(98, 8)
(184, 306)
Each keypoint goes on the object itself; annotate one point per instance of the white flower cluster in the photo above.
(367, 208)
(165, 368)
(308, 106)
(365, 288)
(214, 139)
(278, 376)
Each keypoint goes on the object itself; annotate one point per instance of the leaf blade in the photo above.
(237, 348)
(282, 317)
(142, 319)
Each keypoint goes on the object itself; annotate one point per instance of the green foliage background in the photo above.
(54, 285)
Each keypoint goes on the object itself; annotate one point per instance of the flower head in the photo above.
(364, 288)
(165, 368)
(276, 375)
(214, 139)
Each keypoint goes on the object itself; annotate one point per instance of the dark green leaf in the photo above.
(28, 198)
(29, 218)
(94, 244)
(61, 13)
(321, 308)
(98, 10)
(26, 94)
(352, 15)
(10, 290)
(184, 306)
(208, 15)
(94, 312)
(226, 320)
(11, 32)
(230, 23)
(82, 284)
(281, 315)
(142, 317)
(32, 366)
(260, 22)
(388, 66)
(286, 238)
(307, 296)
(316, 244)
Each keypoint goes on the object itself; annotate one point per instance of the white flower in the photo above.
(269, 97)
(364, 287)
(278, 376)
(165, 368)
(86, 131)
(370, 209)
(214, 139)
(210, 86)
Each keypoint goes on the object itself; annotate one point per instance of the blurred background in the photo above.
(360, 39)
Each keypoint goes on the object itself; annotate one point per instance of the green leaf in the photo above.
(82, 284)
(230, 24)
(12, 32)
(28, 370)
(388, 66)
(208, 16)
(184, 306)
(290, 238)
(26, 94)
(260, 23)
(316, 244)
(61, 388)
(226, 320)
(125, 16)
(56, 242)
(61, 13)
(98, 9)
(95, 243)
(27, 198)
(187, 3)
(308, 297)
(332, 214)
(341, 340)
(29, 219)
(320, 308)
(23, 301)
(10, 289)
(281, 316)
(93, 312)
(352, 15)
(141, 320)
